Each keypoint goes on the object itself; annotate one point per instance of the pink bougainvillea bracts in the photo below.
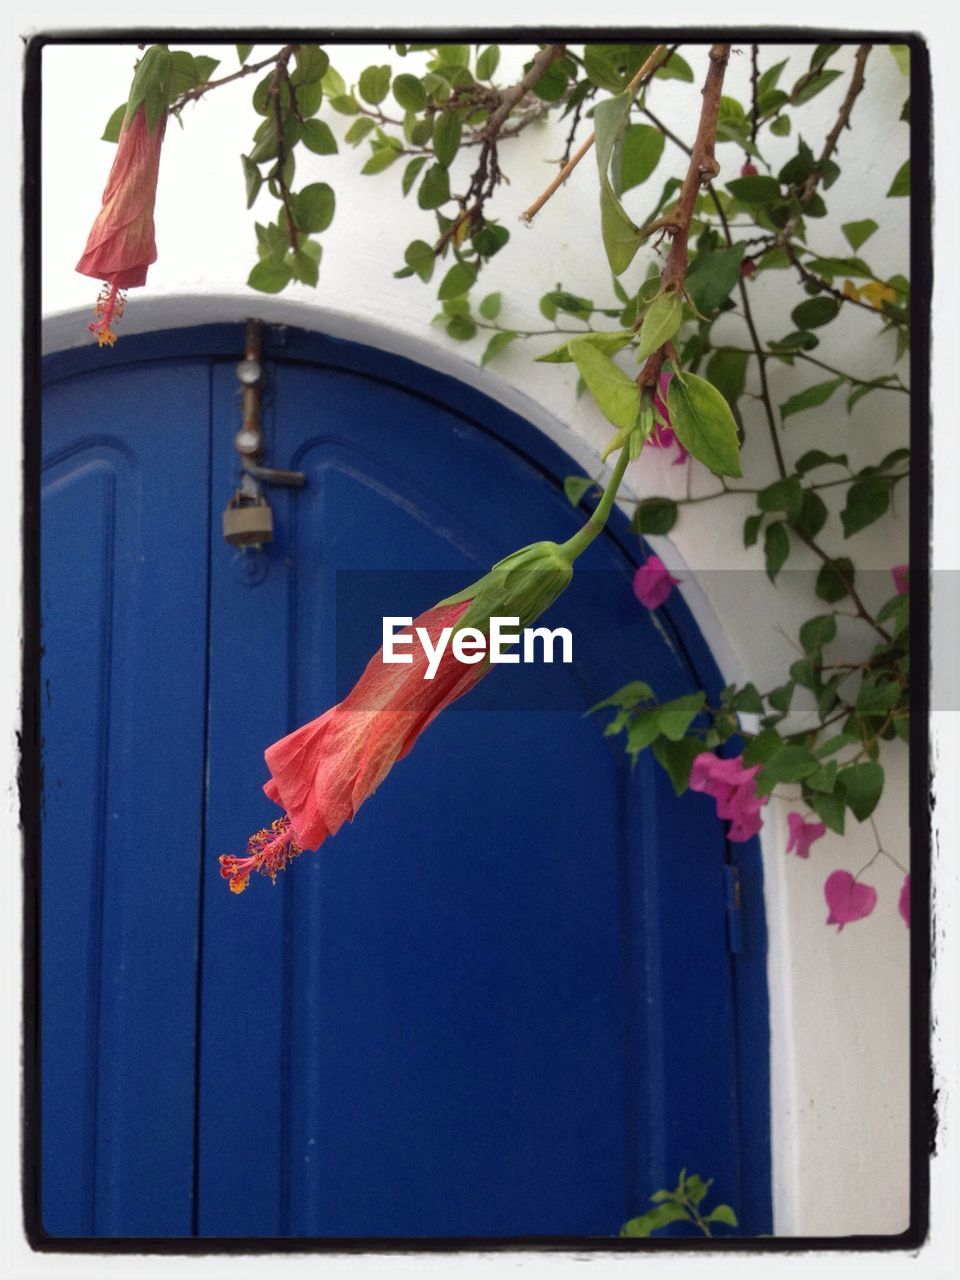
(322, 772)
(803, 834)
(847, 899)
(901, 578)
(732, 786)
(663, 435)
(903, 905)
(122, 245)
(652, 583)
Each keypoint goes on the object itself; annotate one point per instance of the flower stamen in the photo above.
(268, 851)
(109, 307)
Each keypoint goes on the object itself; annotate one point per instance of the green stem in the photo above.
(574, 546)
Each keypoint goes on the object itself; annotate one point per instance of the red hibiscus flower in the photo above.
(122, 244)
(322, 773)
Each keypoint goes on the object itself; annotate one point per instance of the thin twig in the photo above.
(192, 95)
(815, 176)
(648, 68)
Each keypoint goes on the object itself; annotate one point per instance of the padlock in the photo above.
(247, 521)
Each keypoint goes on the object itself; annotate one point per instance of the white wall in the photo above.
(839, 1002)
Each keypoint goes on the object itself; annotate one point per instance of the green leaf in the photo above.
(901, 183)
(815, 312)
(409, 92)
(635, 159)
(111, 131)
(379, 160)
(374, 84)
(727, 370)
(312, 64)
(458, 281)
(811, 397)
(434, 189)
(830, 807)
(305, 267)
(410, 173)
(359, 130)
(758, 188)
(780, 126)
(722, 1213)
(252, 179)
(655, 515)
(863, 785)
(420, 256)
(641, 731)
(776, 548)
(575, 487)
(770, 78)
(608, 342)
(490, 306)
(677, 759)
(661, 320)
(317, 136)
(762, 747)
(674, 717)
(814, 458)
(704, 424)
(867, 501)
(876, 698)
(243, 52)
(783, 495)
(813, 515)
(621, 237)
(751, 529)
(833, 578)
(825, 779)
(552, 85)
(781, 697)
(601, 69)
(675, 68)
(696, 1188)
(805, 89)
(345, 104)
(858, 233)
(748, 699)
(314, 207)
(497, 343)
(488, 61)
(816, 632)
(447, 131)
(789, 764)
(269, 276)
(901, 55)
(617, 396)
(461, 327)
(628, 696)
(649, 1222)
(712, 276)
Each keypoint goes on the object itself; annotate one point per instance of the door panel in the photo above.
(123, 609)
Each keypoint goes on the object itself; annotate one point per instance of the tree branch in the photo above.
(658, 56)
(702, 167)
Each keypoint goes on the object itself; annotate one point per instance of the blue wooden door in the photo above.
(501, 1003)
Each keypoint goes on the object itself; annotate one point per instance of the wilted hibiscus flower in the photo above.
(321, 773)
(122, 244)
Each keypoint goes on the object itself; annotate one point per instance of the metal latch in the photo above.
(248, 519)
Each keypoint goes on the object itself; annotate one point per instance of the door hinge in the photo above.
(732, 889)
